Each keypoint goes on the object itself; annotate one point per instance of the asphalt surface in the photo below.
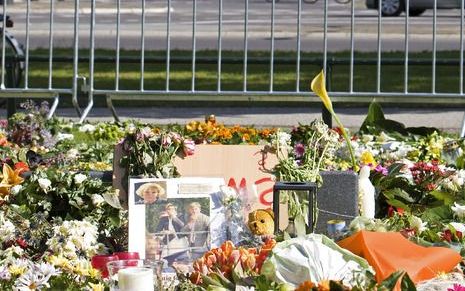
(449, 119)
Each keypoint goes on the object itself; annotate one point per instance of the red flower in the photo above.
(408, 232)
(21, 242)
(21, 167)
(392, 210)
(447, 235)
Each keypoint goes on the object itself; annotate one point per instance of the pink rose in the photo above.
(188, 147)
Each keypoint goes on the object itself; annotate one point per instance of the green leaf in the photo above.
(390, 282)
(438, 213)
(447, 197)
(407, 284)
(397, 192)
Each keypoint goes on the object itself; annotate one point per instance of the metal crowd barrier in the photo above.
(271, 9)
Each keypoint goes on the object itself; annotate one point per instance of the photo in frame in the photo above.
(171, 219)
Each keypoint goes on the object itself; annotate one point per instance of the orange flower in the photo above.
(3, 141)
(196, 278)
(305, 286)
(10, 179)
(21, 167)
(324, 285)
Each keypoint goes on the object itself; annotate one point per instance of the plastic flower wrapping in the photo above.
(314, 258)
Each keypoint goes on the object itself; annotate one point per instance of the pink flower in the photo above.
(457, 287)
(188, 147)
(299, 150)
(382, 170)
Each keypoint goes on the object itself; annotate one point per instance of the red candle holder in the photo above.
(127, 255)
(99, 262)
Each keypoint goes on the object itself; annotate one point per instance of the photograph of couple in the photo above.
(179, 229)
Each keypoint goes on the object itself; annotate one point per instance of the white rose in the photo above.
(44, 183)
(459, 210)
(15, 189)
(97, 200)
(79, 178)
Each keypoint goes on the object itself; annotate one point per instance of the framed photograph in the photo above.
(171, 219)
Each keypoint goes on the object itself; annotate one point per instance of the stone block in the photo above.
(337, 198)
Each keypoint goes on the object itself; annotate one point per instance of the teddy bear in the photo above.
(261, 222)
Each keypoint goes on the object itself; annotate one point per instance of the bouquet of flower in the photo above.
(229, 266)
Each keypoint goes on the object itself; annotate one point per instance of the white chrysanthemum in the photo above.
(72, 153)
(87, 128)
(417, 224)
(72, 237)
(7, 229)
(97, 200)
(64, 136)
(79, 178)
(44, 183)
(283, 138)
(459, 210)
(12, 252)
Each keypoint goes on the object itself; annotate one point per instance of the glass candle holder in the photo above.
(132, 275)
(99, 262)
(127, 255)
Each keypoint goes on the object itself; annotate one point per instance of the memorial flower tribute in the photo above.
(55, 216)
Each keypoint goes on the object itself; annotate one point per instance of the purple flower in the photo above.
(382, 170)
(457, 287)
(299, 150)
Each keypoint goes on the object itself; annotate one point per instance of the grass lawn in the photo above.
(392, 71)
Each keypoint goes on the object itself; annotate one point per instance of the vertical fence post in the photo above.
(11, 83)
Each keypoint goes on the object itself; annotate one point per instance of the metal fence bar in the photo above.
(76, 58)
(406, 47)
(246, 38)
(462, 15)
(378, 65)
(220, 28)
(272, 45)
(325, 36)
(433, 73)
(168, 46)
(297, 69)
(194, 22)
(91, 88)
(118, 43)
(352, 45)
(2, 85)
(50, 45)
(142, 47)
(26, 60)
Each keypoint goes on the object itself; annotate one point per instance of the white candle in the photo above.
(135, 279)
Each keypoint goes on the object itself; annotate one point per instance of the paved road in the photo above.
(259, 15)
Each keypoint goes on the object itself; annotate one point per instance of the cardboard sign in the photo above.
(245, 167)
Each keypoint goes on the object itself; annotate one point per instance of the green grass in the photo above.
(392, 75)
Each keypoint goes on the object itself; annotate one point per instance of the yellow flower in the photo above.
(16, 270)
(94, 273)
(319, 87)
(367, 159)
(97, 287)
(10, 178)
